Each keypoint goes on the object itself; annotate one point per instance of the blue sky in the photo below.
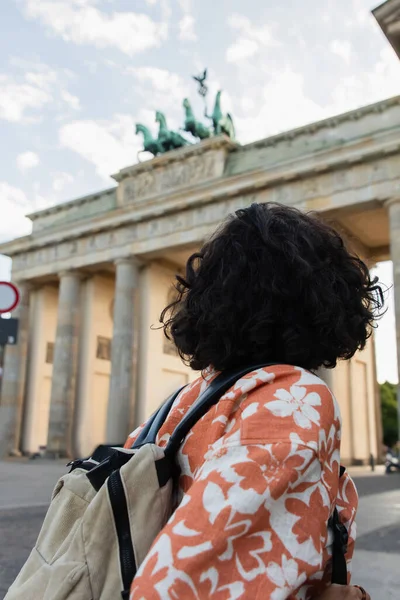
(76, 75)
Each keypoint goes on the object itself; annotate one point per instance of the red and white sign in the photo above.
(9, 297)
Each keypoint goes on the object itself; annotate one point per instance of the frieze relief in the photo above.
(183, 173)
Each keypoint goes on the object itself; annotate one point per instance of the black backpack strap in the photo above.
(153, 425)
(206, 400)
(340, 541)
(108, 459)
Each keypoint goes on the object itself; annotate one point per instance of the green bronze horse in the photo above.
(196, 128)
(169, 139)
(221, 123)
(150, 144)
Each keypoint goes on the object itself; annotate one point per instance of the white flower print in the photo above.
(250, 410)
(285, 576)
(298, 404)
(248, 383)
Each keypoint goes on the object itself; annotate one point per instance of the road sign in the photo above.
(9, 297)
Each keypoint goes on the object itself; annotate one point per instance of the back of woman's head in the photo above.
(272, 285)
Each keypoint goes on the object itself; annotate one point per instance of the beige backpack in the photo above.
(105, 514)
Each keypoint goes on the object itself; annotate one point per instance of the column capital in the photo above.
(391, 201)
(129, 260)
(75, 273)
(27, 285)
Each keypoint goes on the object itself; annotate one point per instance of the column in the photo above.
(393, 206)
(86, 396)
(59, 441)
(377, 411)
(38, 377)
(121, 392)
(35, 341)
(14, 376)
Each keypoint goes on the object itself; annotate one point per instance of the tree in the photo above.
(389, 413)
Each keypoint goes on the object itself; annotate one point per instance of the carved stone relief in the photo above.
(191, 170)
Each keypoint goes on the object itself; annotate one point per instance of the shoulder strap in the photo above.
(208, 398)
(153, 425)
(339, 550)
(340, 542)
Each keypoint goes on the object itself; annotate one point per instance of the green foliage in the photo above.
(389, 413)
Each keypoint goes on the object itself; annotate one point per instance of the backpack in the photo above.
(106, 512)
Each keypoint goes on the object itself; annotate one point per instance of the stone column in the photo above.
(59, 440)
(14, 377)
(393, 206)
(121, 383)
(86, 400)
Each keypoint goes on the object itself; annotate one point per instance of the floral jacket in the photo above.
(259, 481)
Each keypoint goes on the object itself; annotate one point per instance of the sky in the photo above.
(77, 75)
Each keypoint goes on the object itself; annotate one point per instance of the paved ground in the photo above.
(25, 489)
(377, 559)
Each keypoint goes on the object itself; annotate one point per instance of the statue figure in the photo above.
(168, 139)
(196, 128)
(150, 144)
(203, 89)
(221, 123)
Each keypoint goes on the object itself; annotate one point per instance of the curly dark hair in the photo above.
(273, 284)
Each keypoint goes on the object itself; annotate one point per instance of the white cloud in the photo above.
(18, 97)
(251, 38)
(14, 205)
(284, 102)
(187, 22)
(341, 48)
(362, 13)
(71, 100)
(108, 145)
(283, 105)
(27, 160)
(247, 103)
(43, 77)
(160, 87)
(186, 29)
(61, 180)
(80, 22)
(11, 194)
(380, 82)
(261, 34)
(243, 48)
(185, 6)
(29, 87)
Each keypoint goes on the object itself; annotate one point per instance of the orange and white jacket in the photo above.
(259, 481)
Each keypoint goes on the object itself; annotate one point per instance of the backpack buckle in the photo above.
(98, 475)
(340, 533)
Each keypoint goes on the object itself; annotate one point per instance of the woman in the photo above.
(260, 472)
